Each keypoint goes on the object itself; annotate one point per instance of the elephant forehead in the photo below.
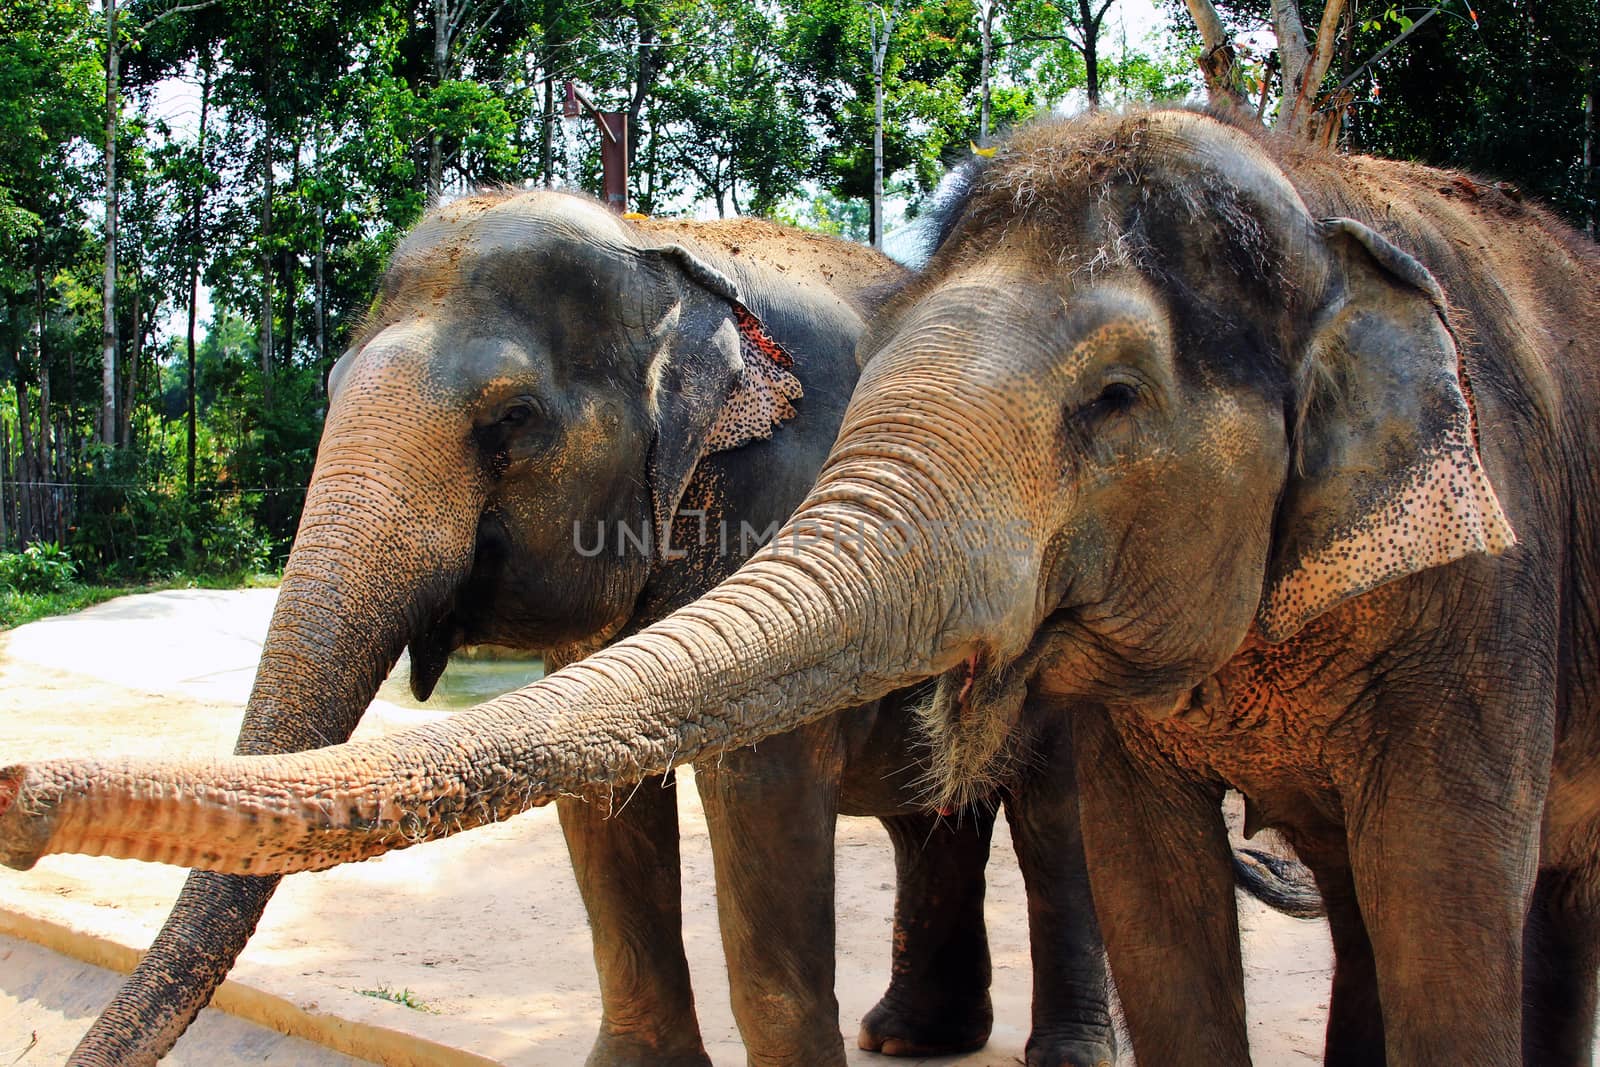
(1117, 328)
(481, 239)
(1226, 435)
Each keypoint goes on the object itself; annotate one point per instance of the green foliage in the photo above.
(137, 523)
(827, 214)
(1499, 90)
(404, 997)
(18, 607)
(738, 106)
(51, 90)
(42, 567)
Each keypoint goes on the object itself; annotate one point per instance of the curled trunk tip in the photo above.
(25, 825)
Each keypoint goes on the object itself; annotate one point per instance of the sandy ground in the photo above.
(485, 930)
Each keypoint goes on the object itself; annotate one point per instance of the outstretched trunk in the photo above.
(855, 598)
(788, 639)
(351, 594)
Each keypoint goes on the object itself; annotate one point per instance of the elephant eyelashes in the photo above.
(519, 431)
(1102, 427)
(1115, 398)
(518, 413)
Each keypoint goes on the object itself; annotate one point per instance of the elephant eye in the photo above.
(1116, 398)
(518, 414)
(517, 430)
(1107, 427)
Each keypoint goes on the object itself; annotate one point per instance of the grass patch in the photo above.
(404, 997)
(17, 607)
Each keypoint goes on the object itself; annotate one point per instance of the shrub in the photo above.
(42, 567)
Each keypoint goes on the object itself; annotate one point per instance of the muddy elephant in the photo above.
(541, 392)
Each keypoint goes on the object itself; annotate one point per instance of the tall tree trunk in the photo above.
(1293, 56)
(1216, 55)
(194, 268)
(648, 67)
(5, 476)
(266, 261)
(1301, 105)
(27, 492)
(291, 276)
(319, 289)
(45, 462)
(882, 26)
(63, 492)
(130, 369)
(1090, 29)
(108, 336)
(647, 202)
(47, 515)
(986, 13)
(547, 140)
(441, 69)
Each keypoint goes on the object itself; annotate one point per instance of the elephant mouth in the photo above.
(970, 724)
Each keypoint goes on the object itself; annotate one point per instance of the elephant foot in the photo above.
(1072, 1052)
(623, 1050)
(893, 1030)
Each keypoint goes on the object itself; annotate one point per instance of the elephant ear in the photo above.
(719, 379)
(1387, 480)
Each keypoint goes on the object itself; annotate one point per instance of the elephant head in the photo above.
(1141, 408)
(536, 375)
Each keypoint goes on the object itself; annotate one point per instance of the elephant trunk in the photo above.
(352, 595)
(803, 629)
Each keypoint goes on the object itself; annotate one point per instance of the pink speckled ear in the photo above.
(765, 395)
(719, 379)
(1388, 478)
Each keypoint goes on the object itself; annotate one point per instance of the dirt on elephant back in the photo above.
(483, 934)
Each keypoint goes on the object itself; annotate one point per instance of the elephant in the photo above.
(1246, 465)
(542, 392)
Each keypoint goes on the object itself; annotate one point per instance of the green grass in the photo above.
(403, 997)
(17, 608)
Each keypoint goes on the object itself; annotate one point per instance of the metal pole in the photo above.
(613, 146)
(614, 159)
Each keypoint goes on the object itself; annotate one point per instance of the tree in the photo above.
(881, 18)
(50, 96)
(724, 118)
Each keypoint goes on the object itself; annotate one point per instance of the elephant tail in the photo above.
(1281, 884)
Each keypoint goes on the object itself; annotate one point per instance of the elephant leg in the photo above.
(771, 817)
(626, 864)
(1355, 1018)
(937, 1002)
(1072, 1024)
(1444, 887)
(1162, 876)
(1561, 958)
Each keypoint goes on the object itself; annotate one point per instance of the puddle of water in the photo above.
(465, 682)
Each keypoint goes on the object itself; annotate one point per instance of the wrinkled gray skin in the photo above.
(537, 385)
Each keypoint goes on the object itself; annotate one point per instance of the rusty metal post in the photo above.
(614, 159)
(613, 146)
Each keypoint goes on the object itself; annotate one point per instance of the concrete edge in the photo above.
(379, 1044)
